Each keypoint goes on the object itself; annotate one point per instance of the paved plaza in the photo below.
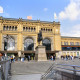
(33, 70)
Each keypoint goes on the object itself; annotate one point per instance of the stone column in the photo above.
(19, 53)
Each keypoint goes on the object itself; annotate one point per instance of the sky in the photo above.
(67, 12)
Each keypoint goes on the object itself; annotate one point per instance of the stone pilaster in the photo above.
(19, 53)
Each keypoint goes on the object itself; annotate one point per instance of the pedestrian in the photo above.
(51, 57)
(11, 58)
(28, 57)
(66, 57)
(22, 57)
(71, 57)
(54, 57)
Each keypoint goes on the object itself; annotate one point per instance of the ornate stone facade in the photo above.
(22, 29)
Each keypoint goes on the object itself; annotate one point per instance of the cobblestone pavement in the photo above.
(33, 70)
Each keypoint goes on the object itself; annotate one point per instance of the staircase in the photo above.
(30, 67)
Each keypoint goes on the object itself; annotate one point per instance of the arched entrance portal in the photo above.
(46, 42)
(9, 44)
(29, 48)
(28, 44)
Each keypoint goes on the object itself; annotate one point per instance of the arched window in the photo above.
(9, 44)
(28, 44)
(46, 42)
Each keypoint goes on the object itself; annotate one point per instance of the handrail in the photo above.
(69, 69)
(46, 73)
(68, 65)
(55, 68)
(5, 67)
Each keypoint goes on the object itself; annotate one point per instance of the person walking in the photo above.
(66, 57)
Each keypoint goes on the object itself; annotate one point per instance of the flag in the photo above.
(55, 16)
(29, 17)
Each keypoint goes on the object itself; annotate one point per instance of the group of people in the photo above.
(22, 58)
(67, 57)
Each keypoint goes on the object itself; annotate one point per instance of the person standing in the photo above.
(22, 57)
(11, 58)
(54, 57)
(51, 57)
(66, 57)
(28, 57)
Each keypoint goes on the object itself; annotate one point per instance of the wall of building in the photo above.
(21, 29)
(66, 42)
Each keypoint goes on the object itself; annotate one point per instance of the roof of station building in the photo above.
(20, 19)
(70, 37)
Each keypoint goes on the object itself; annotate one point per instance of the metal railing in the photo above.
(5, 68)
(62, 72)
(44, 76)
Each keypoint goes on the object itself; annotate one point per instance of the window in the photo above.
(23, 28)
(77, 43)
(4, 28)
(71, 43)
(16, 28)
(10, 28)
(65, 43)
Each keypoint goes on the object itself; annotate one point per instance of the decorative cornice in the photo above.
(27, 20)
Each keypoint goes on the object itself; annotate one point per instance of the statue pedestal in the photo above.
(40, 53)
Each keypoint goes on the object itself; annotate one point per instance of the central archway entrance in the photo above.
(28, 44)
(29, 48)
(47, 43)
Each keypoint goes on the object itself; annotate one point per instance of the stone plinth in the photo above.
(40, 53)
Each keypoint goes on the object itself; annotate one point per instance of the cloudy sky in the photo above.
(65, 11)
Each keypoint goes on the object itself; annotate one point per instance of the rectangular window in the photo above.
(77, 43)
(65, 43)
(71, 43)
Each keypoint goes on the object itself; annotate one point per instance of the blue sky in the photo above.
(65, 11)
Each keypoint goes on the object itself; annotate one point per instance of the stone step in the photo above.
(30, 67)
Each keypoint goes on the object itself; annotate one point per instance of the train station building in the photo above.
(19, 36)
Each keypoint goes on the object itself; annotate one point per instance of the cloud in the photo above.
(75, 31)
(45, 9)
(71, 12)
(1, 9)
